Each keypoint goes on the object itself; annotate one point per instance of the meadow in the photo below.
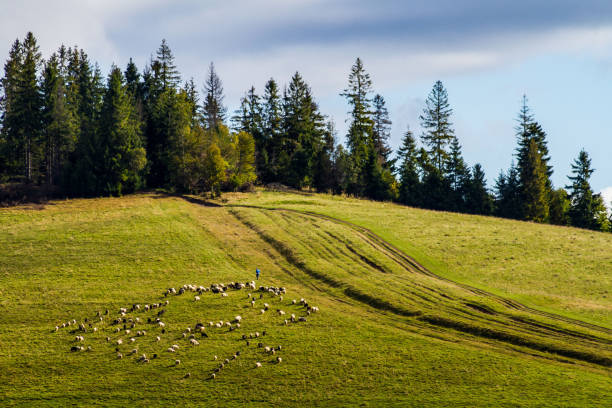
(417, 307)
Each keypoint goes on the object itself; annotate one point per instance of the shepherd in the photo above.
(257, 272)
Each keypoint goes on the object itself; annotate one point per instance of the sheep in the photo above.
(56, 328)
(144, 333)
(237, 319)
(128, 331)
(161, 324)
(224, 294)
(134, 351)
(119, 355)
(194, 342)
(176, 346)
(170, 350)
(279, 360)
(267, 349)
(252, 303)
(187, 375)
(278, 347)
(158, 338)
(248, 295)
(257, 364)
(302, 319)
(256, 334)
(215, 358)
(108, 339)
(132, 340)
(117, 330)
(218, 325)
(281, 313)
(213, 376)
(123, 310)
(184, 335)
(228, 324)
(262, 311)
(177, 362)
(293, 302)
(95, 329)
(226, 361)
(292, 317)
(196, 298)
(286, 322)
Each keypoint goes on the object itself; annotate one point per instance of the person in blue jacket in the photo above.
(257, 272)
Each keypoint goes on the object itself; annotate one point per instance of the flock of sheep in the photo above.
(123, 330)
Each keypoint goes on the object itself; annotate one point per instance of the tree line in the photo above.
(63, 124)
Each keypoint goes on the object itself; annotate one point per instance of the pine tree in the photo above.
(435, 120)
(586, 209)
(381, 131)
(410, 184)
(359, 136)
(534, 188)
(213, 109)
(323, 178)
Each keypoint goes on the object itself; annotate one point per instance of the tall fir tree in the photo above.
(122, 155)
(272, 130)
(381, 131)
(437, 127)
(28, 108)
(11, 143)
(533, 185)
(359, 136)
(169, 76)
(587, 209)
(213, 109)
(458, 177)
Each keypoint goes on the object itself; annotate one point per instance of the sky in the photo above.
(487, 53)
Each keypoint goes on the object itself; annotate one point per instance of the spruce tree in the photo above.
(409, 182)
(11, 143)
(169, 76)
(586, 208)
(272, 130)
(458, 177)
(508, 194)
(533, 185)
(437, 128)
(381, 131)
(213, 110)
(478, 199)
(359, 136)
(28, 107)
(121, 153)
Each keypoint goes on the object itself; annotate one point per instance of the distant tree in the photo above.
(508, 194)
(381, 131)
(435, 120)
(213, 110)
(434, 187)
(478, 199)
(409, 182)
(243, 171)
(323, 177)
(458, 177)
(215, 167)
(559, 207)
(587, 209)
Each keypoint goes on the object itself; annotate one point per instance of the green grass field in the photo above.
(417, 308)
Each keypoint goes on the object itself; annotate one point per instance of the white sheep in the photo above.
(293, 302)
(196, 298)
(194, 342)
(267, 349)
(171, 350)
(257, 364)
(237, 319)
(177, 362)
(281, 313)
(262, 311)
(119, 355)
(213, 376)
(161, 324)
(279, 360)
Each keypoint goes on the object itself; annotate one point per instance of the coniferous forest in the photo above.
(69, 128)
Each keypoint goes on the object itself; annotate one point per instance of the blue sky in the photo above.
(487, 53)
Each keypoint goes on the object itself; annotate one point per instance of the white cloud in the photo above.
(606, 193)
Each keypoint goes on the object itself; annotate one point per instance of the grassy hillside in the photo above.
(558, 269)
(389, 332)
